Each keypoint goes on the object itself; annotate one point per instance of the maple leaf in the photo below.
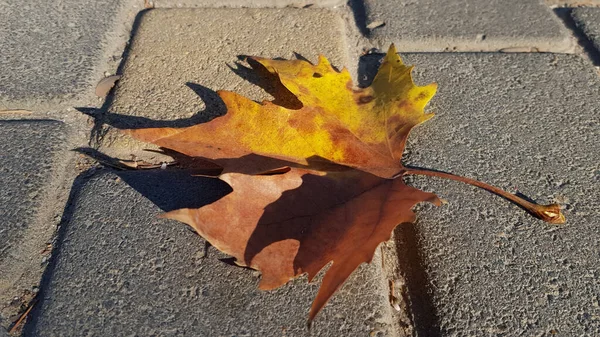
(316, 173)
(363, 128)
(294, 223)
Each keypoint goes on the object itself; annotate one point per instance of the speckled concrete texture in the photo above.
(49, 49)
(26, 158)
(161, 84)
(588, 20)
(476, 25)
(120, 270)
(29, 153)
(526, 123)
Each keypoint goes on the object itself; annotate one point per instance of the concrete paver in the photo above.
(120, 270)
(49, 49)
(476, 25)
(526, 122)
(161, 84)
(588, 20)
(27, 157)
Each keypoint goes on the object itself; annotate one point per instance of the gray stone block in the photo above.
(49, 49)
(30, 157)
(120, 270)
(474, 25)
(26, 160)
(522, 122)
(588, 20)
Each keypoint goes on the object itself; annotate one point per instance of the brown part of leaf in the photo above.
(548, 213)
(23, 316)
(294, 223)
(104, 85)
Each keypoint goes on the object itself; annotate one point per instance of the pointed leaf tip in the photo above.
(392, 49)
(392, 55)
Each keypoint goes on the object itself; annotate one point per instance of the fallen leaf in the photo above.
(289, 224)
(361, 128)
(103, 87)
(316, 173)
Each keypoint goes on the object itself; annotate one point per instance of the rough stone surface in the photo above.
(476, 25)
(26, 158)
(520, 122)
(120, 270)
(49, 49)
(588, 20)
(248, 3)
(29, 156)
(178, 88)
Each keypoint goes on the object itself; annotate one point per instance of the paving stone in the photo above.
(26, 159)
(588, 20)
(475, 25)
(248, 3)
(120, 270)
(29, 155)
(522, 122)
(180, 57)
(49, 49)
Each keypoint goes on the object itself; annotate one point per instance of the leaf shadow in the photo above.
(368, 65)
(413, 266)
(254, 73)
(169, 189)
(257, 74)
(214, 105)
(274, 227)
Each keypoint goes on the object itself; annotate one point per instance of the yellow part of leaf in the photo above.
(383, 113)
(360, 128)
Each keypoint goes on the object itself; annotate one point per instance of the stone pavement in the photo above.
(82, 245)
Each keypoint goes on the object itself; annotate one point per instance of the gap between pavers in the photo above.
(572, 3)
(524, 122)
(120, 270)
(474, 25)
(247, 3)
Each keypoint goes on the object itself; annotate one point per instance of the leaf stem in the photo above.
(549, 213)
